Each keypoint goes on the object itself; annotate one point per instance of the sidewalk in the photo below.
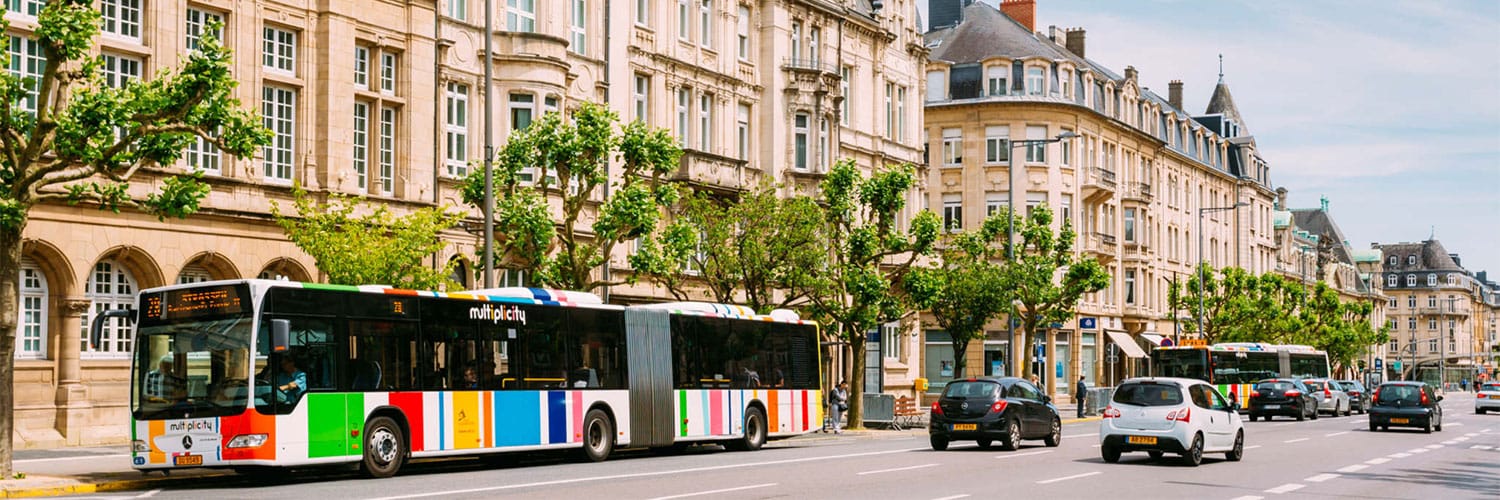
(74, 471)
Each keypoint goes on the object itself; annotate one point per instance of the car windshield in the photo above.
(972, 389)
(1407, 394)
(1352, 386)
(1148, 394)
(1275, 386)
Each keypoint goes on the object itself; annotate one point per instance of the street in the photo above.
(1326, 458)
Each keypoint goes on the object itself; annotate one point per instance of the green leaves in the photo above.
(178, 198)
(374, 248)
(1037, 297)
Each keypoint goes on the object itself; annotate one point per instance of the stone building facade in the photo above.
(1437, 310)
(384, 99)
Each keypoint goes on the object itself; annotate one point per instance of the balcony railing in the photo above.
(1139, 191)
(807, 65)
(1100, 177)
(1443, 311)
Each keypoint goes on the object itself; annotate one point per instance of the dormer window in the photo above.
(1411, 260)
(1391, 282)
(1035, 81)
(1391, 261)
(1431, 280)
(1411, 280)
(1452, 279)
(997, 79)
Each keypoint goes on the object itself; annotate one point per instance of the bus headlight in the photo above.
(139, 446)
(247, 441)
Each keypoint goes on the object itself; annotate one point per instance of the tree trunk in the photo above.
(856, 338)
(1028, 325)
(10, 276)
(960, 353)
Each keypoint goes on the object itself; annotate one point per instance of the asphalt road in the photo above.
(1327, 458)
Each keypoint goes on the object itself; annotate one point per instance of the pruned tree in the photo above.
(70, 137)
(1045, 276)
(374, 248)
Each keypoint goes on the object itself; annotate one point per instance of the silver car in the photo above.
(1331, 396)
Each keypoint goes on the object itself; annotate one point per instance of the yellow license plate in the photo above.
(1141, 440)
(965, 427)
(187, 460)
(1399, 421)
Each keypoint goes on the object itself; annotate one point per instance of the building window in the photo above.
(1034, 200)
(109, 287)
(1034, 81)
(742, 131)
(1431, 324)
(993, 202)
(1411, 301)
(1431, 280)
(1067, 208)
(1411, 280)
(1394, 303)
(512, 277)
(1432, 345)
(824, 152)
(278, 113)
(1411, 323)
(27, 61)
(1411, 259)
(1395, 346)
(814, 48)
(121, 17)
(1431, 301)
(387, 150)
(996, 144)
(1390, 281)
(705, 122)
(936, 89)
(1130, 225)
(362, 145)
(31, 326)
(846, 88)
(998, 80)
(1067, 85)
(1065, 148)
(953, 147)
(742, 32)
(796, 40)
(890, 110)
(361, 67)
(891, 341)
(705, 23)
(387, 73)
(119, 70)
(457, 130)
(1129, 285)
(642, 12)
(279, 49)
(193, 274)
(1036, 152)
(457, 9)
(800, 125)
(578, 31)
(684, 101)
(522, 107)
(1391, 261)
(900, 113)
(683, 19)
(642, 92)
(520, 16)
(197, 25)
(953, 212)
(1452, 279)
(30, 8)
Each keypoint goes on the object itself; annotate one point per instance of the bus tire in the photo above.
(598, 436)
(755, 431)
(385, 448)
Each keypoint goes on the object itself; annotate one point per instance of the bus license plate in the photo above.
(187, 460)
(1399, 421)
(1141, 440)
(965, 427)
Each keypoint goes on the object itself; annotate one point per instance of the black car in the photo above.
(1406, 404)
(1282, 396)
(989, 409)
(1359, 396)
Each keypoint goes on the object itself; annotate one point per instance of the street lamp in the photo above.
(489, 150)
(1201, 211)
(1010, 227)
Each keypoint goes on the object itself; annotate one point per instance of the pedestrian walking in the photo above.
(1080, 395)
(838, 403)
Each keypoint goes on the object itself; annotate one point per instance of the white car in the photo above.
(1488, 398)
(1171, 415)
(1331, 396)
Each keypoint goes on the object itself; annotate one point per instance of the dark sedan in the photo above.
(993, 409)
(1282, 396)
(1359, 396)
(1406, 404)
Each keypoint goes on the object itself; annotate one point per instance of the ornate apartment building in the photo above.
(1136, 184)
(384, 98)
(1437, 310)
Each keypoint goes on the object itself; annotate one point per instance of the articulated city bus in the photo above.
(1234, 367)
(250, 373)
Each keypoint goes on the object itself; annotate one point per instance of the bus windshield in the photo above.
(189, 369)
(1183, 363)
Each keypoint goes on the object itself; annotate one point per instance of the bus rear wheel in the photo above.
(755, 431)
(385, 447)
(598, 436)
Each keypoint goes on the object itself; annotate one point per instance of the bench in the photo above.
(907, 415)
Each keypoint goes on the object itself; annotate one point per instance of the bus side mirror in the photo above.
(96, 329)
(281, 333)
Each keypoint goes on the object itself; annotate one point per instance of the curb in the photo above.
(1084, 419)
(97, 487)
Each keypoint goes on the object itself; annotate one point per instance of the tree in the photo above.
(1226, 302)
(759, 250)
(69, 137)
(965, 290)
(1045, 277)
(568, 160)
(859, 286)
(1342, 329)
(375, 248)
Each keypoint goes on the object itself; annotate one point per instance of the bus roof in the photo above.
(1250, 347)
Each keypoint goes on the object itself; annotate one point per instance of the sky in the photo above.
(1389, 108)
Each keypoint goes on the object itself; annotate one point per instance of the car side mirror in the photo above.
(1046, 399)
(1234, 406)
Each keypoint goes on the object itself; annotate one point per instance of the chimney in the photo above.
(945, 13)
(1052, 33)
(1280, 192)
(1075, 41)
(1131, 73)
(1174, 95)
(1023, 11)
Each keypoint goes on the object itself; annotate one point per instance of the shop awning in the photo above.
(1154, 339)
(1126, 343)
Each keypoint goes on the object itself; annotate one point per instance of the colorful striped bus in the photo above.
(1234, 367)
(250, 373)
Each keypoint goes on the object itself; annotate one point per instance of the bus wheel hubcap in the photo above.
(383, 443)
(596, 436)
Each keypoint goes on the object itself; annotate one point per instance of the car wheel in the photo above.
(1194, 454)
(1480, 411)
(599, 435)
(1301, 415)
(385, 448)
(1427, 427)
(1110, 453)
(1347, 411)
(1054, 438)
(1373, 426)
(939, 443)
(1012, 436)
(1439, 426)
(1315, 413)
(1238, 452)
(985, 443)
(1253, 417)
(1155, 455)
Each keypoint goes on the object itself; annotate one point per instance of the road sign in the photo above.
(1112, 358)
(1396, 364)
(1379, 363)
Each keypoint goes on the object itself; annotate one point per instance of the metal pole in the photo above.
(489, 148)
(1200, 272)
(1010, 253)
(1176, 322)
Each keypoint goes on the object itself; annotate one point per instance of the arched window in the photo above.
(1411, 280)
(460, 272)
(194, 274)
(110, 286)
(1432, 279)
(31, 326)
(1390, 282)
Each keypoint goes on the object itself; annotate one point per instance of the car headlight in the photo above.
(139, 446)
(247, 441)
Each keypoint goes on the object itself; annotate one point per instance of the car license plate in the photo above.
(187, 460)
(1273, 407)
(965, 427)
(1141, 440)
(1399, 421)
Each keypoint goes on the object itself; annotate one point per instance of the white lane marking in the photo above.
(1071, 436)
(1286, 488)
(649, 474)
(1418, 450)
(711, 492)
(1247, 497)
(1434, 446)
(1485, 430)
(954, 497)
(1298, 440)
(1091, 446)
(1377, 461)
(881, 471)
(1335, 434)
(1481, 447)
(1027, 454)
(1455, 424)
(1284, 424)
(1472, 434)
(1354, 468)
(59, 459)
(1252, 447)
(1065, 478)
(1320, 478)
(1450, 441)
(1460, 439)
(1399, 455)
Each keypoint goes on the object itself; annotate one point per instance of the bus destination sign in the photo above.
(211, 301)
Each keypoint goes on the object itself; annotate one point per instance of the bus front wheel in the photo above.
(599, 436)
(385, 447)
